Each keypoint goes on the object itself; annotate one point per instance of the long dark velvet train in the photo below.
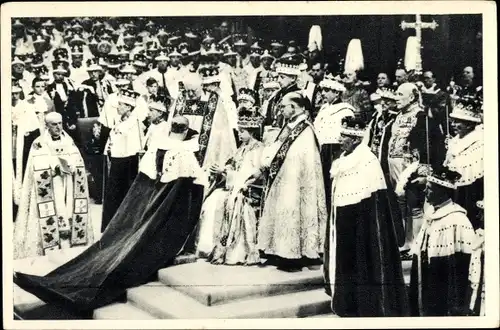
(148, 231)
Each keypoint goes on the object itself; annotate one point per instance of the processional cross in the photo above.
(418, 25)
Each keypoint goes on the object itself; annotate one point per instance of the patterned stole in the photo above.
(206, 127)
(280, 156)
(205, 109)
(52, 224)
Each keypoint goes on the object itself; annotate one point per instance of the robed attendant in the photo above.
(207, 115)
(25, 129)
(53, 209)
(441, 252)
(292, 226)
(377, 137)
(148, 231)
(475, 297)
(63, 94)
(465, 155)
(362, 267)
(436, 101)
(288, 72)
(327, 125)
(126, 139)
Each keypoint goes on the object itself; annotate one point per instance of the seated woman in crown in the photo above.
(228, 224)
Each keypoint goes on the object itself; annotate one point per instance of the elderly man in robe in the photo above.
(53, 209)
(208, 114)
(291, 230)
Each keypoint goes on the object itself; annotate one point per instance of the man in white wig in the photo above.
(53, 210)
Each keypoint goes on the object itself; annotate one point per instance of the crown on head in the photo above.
(77, 50)
(76, 40)
(276, 43)
(247, 94)
(155, 105)
(39, 39)
(249, 119)
(329, 82)
(161, 57)
(60, 67)
(387, 93)
(444, 177)
(210, 74)
(37, 61)
(266, 54)
(353, 127)
(60, 52)
(140, 60)
(128, 68)
(128, 96)
(468, 108)
(93, 65)
(289, 65)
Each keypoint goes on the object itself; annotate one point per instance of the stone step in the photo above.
(327, 315)
(60, 257)
(168, 303)
(28, 306)
(121, 311)
(216, 284)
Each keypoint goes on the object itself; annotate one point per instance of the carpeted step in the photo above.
(216, 284)
(167, 303)
(121, 311)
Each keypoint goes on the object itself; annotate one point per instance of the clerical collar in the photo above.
(296, 120)
(76, 66)
(55, 138)
(431, 90)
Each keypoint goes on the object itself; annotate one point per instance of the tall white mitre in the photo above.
(354, 60)
(315, 39)
(411, 53)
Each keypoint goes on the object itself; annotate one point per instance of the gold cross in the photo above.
(418, 25)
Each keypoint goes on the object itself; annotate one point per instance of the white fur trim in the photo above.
(448, 231)
(287, 70)
(356, 177)
(403, 178)
(443, 183)
(466, 156)
(353, 132)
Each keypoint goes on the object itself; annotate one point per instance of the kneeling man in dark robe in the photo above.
(149, 229)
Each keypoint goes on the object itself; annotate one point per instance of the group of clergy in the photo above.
(304, 166)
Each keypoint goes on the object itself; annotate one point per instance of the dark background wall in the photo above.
(455, 43)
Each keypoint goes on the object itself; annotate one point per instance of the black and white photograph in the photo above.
(315, 161)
